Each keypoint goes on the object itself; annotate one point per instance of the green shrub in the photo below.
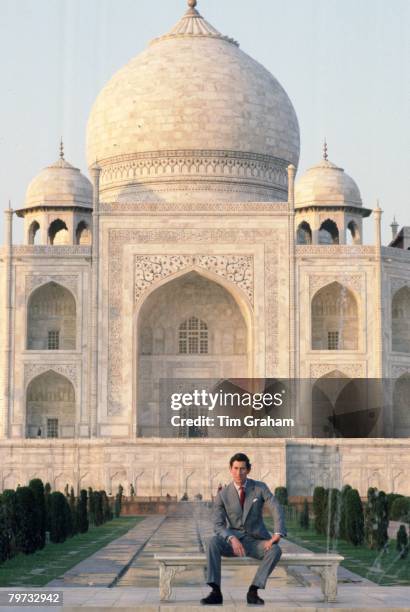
(370, 519)
(400, 510)
(91, 506)
(354, 518)
(117, 506)
(281, 494)
(304, 515)
(342, 512)
(36, 485)
(98, 508)
(402, 542)
(382, 536)
(118, 502)
(26, 521)
(73, 509)
(82, 512)
(8, 499)
(47, 491)
(68, 519)
(107, 513)
(58, 517)
(332, 512)
(319, 503)
(5, 533)
(391, 497)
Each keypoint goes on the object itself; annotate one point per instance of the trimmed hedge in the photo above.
(60, 524)
(400, 509)
(27, 521)
(281, 494)
(402, 542)
(354, 518)
(82, 515)
(36, 485)
(343, 511)
(319, 503)
(304, 515)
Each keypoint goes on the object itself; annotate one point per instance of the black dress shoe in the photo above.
(213, 599)
(253, 599)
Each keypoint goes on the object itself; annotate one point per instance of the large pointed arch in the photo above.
(334, 318)
(50, 406)
(187, 295)
(51, 318)
(400, 313)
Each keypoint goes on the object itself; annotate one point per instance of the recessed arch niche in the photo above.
(168, 310)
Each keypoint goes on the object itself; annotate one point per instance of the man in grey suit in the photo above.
(240, 530)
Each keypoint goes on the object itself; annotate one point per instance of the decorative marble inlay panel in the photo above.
(354, 282)
(68, 281)
(236, 268)
(69, 370)
(119, 238)
(352, 370)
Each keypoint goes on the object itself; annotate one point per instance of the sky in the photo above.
(345, 65)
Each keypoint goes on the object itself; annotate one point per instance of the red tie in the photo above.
(242, 496)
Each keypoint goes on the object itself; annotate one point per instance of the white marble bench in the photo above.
(323, 564)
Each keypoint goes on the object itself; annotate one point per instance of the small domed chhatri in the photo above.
(190, 115)
(326, 184)
(58, 205)
(328, 205)
(59, 184)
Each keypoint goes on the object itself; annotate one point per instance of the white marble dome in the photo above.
(193, 113)
(326, 185)
(60, 184)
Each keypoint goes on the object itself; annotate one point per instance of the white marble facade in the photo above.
(186, 225)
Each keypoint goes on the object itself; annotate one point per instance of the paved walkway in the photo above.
(108, 564)
(124, 575)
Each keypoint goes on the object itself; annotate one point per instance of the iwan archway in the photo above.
(191, 327)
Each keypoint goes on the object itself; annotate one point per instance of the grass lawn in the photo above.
(38, 569)
(387, 569)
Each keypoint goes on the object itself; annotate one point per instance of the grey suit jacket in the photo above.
(231, 520)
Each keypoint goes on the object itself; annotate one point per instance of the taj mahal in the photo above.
(195, 250)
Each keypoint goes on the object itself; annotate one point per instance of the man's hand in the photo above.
(267, 545)
(238, 549)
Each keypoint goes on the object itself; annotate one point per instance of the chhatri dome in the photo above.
(326, 185)
(192, 114)
(59, 184)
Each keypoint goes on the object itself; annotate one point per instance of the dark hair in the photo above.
(240, 457)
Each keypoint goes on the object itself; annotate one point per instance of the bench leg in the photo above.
(328, 581)
(166, 575)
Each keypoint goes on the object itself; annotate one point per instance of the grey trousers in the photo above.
(218, 547)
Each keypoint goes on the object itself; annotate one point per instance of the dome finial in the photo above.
(192, 3)
(61, 148)
(325, 155)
